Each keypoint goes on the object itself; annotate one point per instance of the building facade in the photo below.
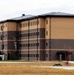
(43, 37)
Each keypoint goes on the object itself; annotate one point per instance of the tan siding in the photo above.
(47, 28)
(62, 28)
(12, 26)
(41, 23)
(24, 26)
(33, 26)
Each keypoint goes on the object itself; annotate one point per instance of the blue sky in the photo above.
(14, 8)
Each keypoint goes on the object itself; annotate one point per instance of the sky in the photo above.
(15, 8)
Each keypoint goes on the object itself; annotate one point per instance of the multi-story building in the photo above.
(43, 37)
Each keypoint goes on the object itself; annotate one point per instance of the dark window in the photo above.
(1, 37)
(28, 45)
(28, 34)
(28, 55)
(46, 44)
(2, 46)
(25, 45)
(37, 44)
(19, 45)
(46, 32)
(37, 55)
(33, 44)
(20, 25)
(2, 28)
(19, 35)
(33, 34)
(28, 23)
(37, 33)
(46, 55)
(46, 21)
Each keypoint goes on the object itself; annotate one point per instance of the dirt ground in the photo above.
(32, 69)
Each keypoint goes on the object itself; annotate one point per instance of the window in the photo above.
(31, 23)
(1, 37)
(46, 44)
(37, 55)
(19, 45)
(46, 21)
(33, 44)
(33, 34)
(2, 28)
(46, 55)
(37, 44)
(37, 22)
(28, 45)
(46, 32)
(2, 46)
(19, 25)
(6, 44)
(22, 25)
(37, 33)
(28, 34)
(26, 24)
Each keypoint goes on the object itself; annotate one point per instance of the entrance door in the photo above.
(9, 55)
(61, 55)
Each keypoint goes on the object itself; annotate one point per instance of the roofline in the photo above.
(11, 20)
(7, 21)
(39, 16)
(56, 16)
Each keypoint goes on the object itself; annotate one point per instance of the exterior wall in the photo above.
(62, 28)
(7, 35)
(3, 39)
(60, 36)
(37, 39)
(32, 38)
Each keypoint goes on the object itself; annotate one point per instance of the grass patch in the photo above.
(32, 69)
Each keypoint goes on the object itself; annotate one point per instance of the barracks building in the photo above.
(43, 37)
